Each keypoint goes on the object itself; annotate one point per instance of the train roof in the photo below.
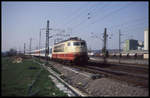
(40, 49)
(72, 38)
(44, 48)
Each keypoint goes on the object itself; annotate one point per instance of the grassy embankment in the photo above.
(17, 77)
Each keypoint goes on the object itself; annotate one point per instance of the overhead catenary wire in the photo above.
(117, 10)
(105, 6)
(85, 19)
(75, 16)
(131, 26)
(95, 7)
(127, 22)
(113, 12)
(85, 11)
(70, 18)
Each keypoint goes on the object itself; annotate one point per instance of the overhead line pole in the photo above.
(47, 41)
(119, 44)
(30, 45)
(119, 41)
(104, 50)
(39, 43)
(24, 48)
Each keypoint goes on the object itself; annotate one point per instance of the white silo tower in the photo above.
(146, 39)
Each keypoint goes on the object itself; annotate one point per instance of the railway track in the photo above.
(132, 75)
(120, 67)
(131, 78)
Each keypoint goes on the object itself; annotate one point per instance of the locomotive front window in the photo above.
(76, 43)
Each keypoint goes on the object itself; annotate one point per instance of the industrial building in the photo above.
(146, 40)
(131, 44)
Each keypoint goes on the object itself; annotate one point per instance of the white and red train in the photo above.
(73, 49)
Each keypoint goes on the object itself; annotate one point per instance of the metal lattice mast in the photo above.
(39, 43)
(47, 40)
(105, 40)
(119, 41)
(24, 48)
(119, 45)
(30, 44)
(104, 50)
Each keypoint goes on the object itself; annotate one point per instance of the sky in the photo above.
(86, 20)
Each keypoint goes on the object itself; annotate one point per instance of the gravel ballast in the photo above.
(98, 87)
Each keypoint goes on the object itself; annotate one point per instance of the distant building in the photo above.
(146, 39)
(140, 45)
(131, 45)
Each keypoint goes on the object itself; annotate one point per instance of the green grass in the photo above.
(54, 69)
(16, 79)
